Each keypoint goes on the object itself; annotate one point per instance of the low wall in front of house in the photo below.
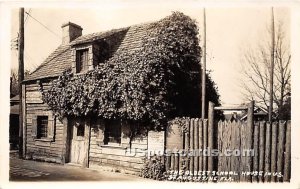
(51, 149)
(127, 157)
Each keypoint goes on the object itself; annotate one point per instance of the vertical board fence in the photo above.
(271, 150)
(269, 144)
(195, 137)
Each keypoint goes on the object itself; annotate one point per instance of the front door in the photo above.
(78, 141)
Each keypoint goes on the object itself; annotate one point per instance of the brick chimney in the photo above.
(70, 31)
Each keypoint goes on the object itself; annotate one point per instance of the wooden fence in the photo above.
(195, 137)
(271, 161)
(271, 144)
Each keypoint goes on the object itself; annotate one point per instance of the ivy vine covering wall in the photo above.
(152, 85)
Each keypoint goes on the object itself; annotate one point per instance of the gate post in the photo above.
(210, 134)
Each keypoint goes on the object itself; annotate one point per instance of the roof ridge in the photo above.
(95, 35)
(75, 41)
(144, 23)
(131, 43)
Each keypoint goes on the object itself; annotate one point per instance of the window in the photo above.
(42, 127)
(81, 60)
(112, 133)
(80, 130)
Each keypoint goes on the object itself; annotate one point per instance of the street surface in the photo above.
(27, 170)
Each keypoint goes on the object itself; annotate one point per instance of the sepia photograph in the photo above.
(177, 93)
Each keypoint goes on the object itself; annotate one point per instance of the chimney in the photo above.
(70, 31)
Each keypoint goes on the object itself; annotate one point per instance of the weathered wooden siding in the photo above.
(40, 149)
(122, 158)
(128, 157)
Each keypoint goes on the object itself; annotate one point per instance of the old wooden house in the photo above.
(88, 141)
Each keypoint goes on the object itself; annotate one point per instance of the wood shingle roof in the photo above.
(60, 60)
(54, 65)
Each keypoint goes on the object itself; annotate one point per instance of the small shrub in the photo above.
(153, 168)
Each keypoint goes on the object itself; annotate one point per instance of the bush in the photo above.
(153, 169)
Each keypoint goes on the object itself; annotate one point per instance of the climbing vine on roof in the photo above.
(151, 84)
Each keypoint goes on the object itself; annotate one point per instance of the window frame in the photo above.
(84, 65)
(80, 130)
(39, 124)
(79, 123)
(51, 127)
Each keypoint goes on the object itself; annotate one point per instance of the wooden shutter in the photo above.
(34, 126)
(51, 127)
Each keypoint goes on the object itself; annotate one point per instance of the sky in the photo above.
(229, 31)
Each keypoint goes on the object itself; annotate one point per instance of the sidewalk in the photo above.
(26, 170)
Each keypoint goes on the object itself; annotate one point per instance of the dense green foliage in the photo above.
(159, 81)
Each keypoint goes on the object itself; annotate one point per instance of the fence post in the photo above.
(287, 154)
(191, 144)
(210, 134)
(268, 151)
(176, 161)
(250, 125)
(274, 128)
(280, 148)
(256, 151)
(196, 144)
(168, 162)
(220, 145)
(201, 144)
(262, 135)
(172, 162)
(187, 141)
(204, 144)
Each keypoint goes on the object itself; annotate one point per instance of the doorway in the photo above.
(78, 141)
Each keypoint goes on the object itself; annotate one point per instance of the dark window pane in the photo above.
(80, 130)
(112, 132)
(42, 126)
(81, 60)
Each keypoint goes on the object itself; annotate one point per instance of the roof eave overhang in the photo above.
(41, 78)
(86, 42)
